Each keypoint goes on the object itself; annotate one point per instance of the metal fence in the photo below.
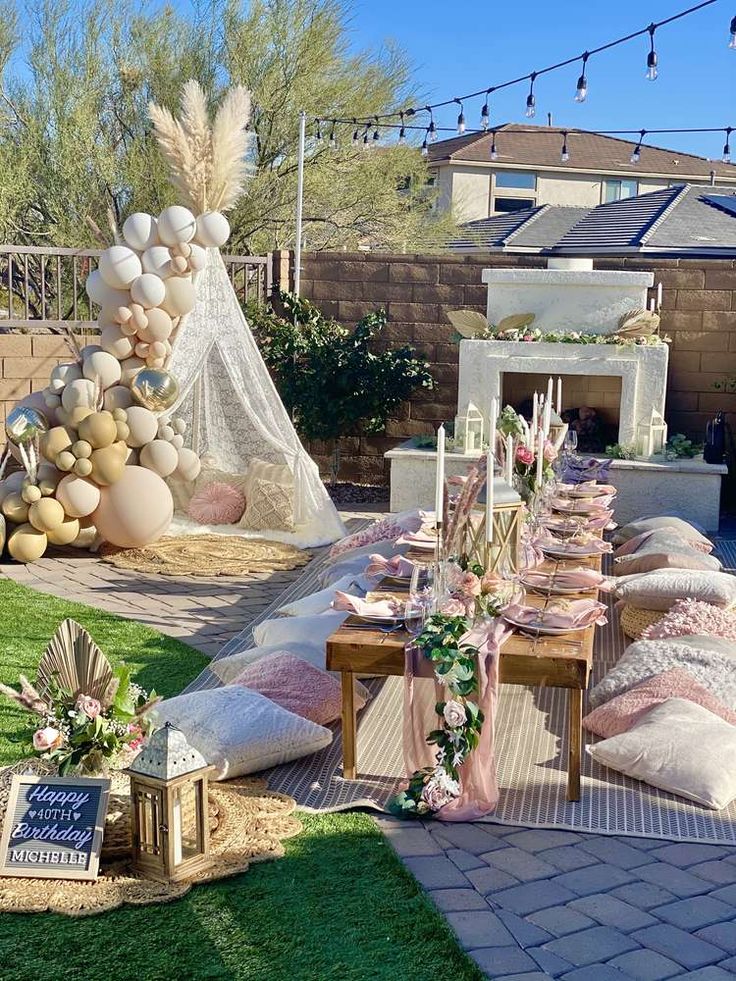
(42, 287)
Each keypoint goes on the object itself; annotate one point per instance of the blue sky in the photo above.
(469, 44)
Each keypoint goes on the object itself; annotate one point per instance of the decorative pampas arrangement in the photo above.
(206, 160)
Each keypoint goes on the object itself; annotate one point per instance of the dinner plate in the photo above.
(579, 552)
(537, 627)
(578, 508)
(378, 621)
(579, 493)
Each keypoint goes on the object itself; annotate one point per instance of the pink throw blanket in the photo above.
(478, 781)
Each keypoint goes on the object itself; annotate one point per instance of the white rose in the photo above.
(455, 714)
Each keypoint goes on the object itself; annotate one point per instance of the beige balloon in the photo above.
(176, 224)
(26, 543)
(98, 429)
(213, 229)
(55, 441)
(31, 493)
(135, 511)
(108, 465)
(46, 514)
(180, 296)
(62, 374)
(118, 267)
(157, 260)
(78, 496)
(15, 508)
(116, 343)
(78, 394)
(65, 534)
(102, 293)
(159, 326)
(148, 290)
(117, 397)
(140, 231)
(86, 537)
(142, 424)
(160, 456)
(189, 464)
(131, 366)
(102, 368)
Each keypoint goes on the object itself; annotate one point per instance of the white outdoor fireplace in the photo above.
(571, 296)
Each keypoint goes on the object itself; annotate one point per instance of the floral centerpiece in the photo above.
(80, 733)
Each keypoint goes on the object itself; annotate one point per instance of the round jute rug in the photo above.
(207, 555)
(248, 824)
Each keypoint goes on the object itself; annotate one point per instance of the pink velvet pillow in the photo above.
(689, 616)
(298, 686)
(623, 712)
(216, 504)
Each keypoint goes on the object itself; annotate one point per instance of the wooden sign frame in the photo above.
(61, 871)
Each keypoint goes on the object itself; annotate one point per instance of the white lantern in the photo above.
(470, 430)
(651, 436)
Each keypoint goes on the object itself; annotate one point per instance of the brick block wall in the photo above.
(699, 314)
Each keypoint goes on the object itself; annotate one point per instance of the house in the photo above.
(517, 167)
(685, 220)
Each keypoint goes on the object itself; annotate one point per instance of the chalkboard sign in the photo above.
(53, 827)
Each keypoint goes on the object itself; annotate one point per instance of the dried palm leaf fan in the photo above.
(638, 323)
(468, 323)
(206, 160)
(73, 661)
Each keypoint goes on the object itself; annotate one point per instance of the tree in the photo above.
(329, 379)
(75, 140)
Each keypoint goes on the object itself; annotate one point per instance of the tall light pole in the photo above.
(299, 203)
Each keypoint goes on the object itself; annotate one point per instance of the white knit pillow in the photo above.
(269, 497)
(661, 589)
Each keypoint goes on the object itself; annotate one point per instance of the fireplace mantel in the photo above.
(642, 369)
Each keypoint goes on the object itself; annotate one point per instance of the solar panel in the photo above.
(727, 202)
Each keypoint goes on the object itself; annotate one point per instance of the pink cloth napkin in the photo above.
(562, 615)
(419, 538)
(365, 608)
(396, 566)
(586, 506)
(579, 578)
(576, 546)
(581, 490)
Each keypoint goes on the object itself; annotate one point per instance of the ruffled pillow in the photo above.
(216, 504)
(385, 529)
(689, 616)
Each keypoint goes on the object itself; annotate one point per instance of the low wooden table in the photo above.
(559, 662)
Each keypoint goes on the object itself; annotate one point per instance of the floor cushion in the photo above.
(269, 497)
(643, 659)
(313, 630)
(298, 686)
(661, 550)
(321, 601)
(623, 712)
(385, 529)
(660, 590)
(679, 747)
(240, 731)
(689, 616)
(683, 528)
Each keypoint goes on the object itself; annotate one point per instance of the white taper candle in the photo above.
(559, 396)
(439, 490)
(540, 458)
(509, 459)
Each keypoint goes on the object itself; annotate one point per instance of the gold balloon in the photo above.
(154, 389)
(26, 543)
(24, 424)
(55, 441)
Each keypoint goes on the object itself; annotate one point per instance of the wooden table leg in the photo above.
(575, 741)
(349, 732)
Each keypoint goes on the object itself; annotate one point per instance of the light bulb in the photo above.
(636, 155)
(402, 135)
(318, 132)
(531, 105)
(460, 118)
(732, 29)
(582, 89)
(425, 148)
(432, 132)
(485, 115)
(652, 66)
(494, 151)
(564, 155)
(333, 140)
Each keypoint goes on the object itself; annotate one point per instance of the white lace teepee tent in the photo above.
(237, 421)
(235, 414)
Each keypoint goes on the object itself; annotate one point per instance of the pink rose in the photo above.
(90, 706)
(524, 455)
(47, 739)
(490, 583)
(452, 607)
(434, 795)
(550, 453)
(469, 584)
(137, 736)
(454, 714)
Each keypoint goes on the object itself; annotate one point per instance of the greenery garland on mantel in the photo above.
(526, 335)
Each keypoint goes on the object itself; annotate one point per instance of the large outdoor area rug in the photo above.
(531, 753)
(248, 823)
(207, 555)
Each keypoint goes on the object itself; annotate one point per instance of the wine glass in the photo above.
(422, 582)
(570, 447)
(415, 613)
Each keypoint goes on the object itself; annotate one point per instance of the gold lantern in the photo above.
(168, 794)
(502, 554)
(470, 430)
(651, 436)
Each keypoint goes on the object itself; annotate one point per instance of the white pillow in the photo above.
(241, 731)
(683, 528)
(680, 747)
(714, 670)
(707, 642)
(659, 590)
(320, 602)
(286, 631)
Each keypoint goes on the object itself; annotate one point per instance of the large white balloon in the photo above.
(176, 224)
(131, 367)
(103, 293)
(134, 511)
(159, 456)
(213, 229)
(157, 260)
(180, 297)
(189, 464)
(197, 257)
(148, 290)
(119, 266)
(139, 231)
(79, 394)
(143, 426)
(117, 397)
(62, 374)
(103, 368)
(158, 328)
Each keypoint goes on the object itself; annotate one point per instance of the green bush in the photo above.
(331, 381)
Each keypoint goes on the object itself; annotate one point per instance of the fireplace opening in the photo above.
(591, 404)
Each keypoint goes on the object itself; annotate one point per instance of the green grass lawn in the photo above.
(339, 905)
